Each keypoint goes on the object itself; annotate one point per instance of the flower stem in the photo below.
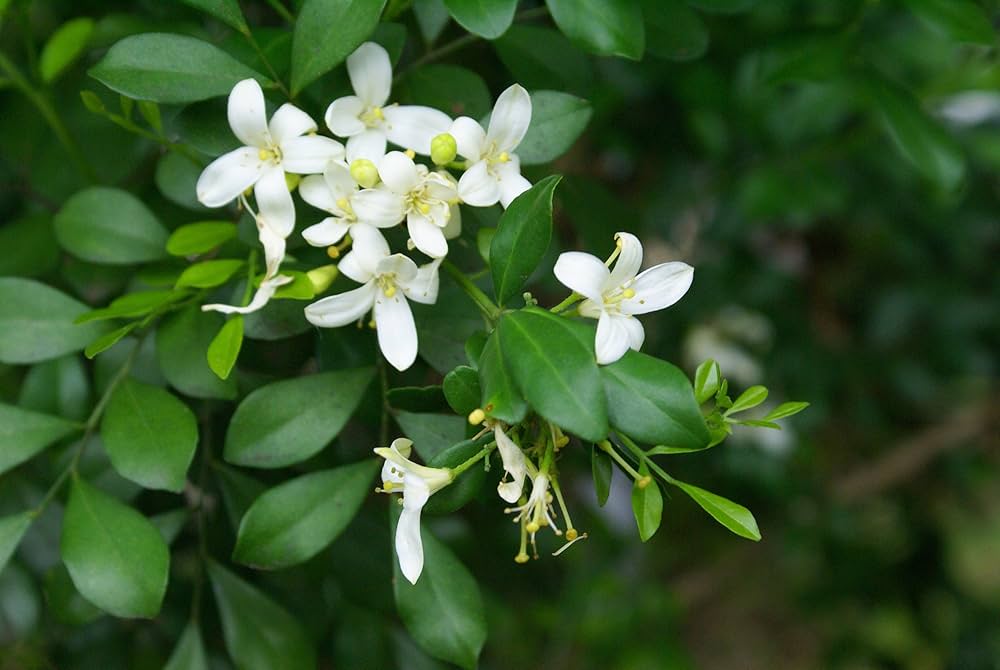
(485, 305)
(462, 467)
(570, 300)
(606, 447)
(641, 455)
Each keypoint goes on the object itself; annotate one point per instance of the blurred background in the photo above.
(830, 169)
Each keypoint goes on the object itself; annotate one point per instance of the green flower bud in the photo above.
(322, 277)
(443, 149)
(292, 181)
(364, 172)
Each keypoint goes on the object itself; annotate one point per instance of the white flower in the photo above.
(495, 172)
(264, 293)
(365, 118)
(334, 191)
(418, 483)
(425, 199)
(513, 465)
(388, 281)
(615, 297)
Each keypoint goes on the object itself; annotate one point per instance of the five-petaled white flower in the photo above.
(388, 281)
(366, 120)
(418, 483)
(334, 192)
(615, 297)
(495, 170)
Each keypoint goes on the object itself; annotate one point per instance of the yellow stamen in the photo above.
(532, 527)
(377, 113)
(503, 157)
(390, 290)
(333, 252)
(264, 154)
(476, 417)
(521, 557)
(628, 293)
(410, 153)
(387, 486)
(371, 324)
(343, 204)
(571, 534)
(424, 208)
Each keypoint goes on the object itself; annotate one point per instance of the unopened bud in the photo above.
(322, 277)
(292, 181)
(444, 148)
(643, 482)
(364, 172)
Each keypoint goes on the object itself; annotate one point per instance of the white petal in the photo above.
(342, 116)
(248, 115)
(402, 267)
(368, 248)
(379, 207)
(274, 249)
(413, 127)
(310, 154)
(343, 308)
(424, 287)
(582, 273)
(612, 338)
(339, 180)
(369, 144)
(399, 172)
(513, 462)
(636, 333)
(454, 226)
(426, 236)
(316, 192)
(469, 136)
(228, 176)
(629, 261)
(591, 309)
(351, 267)
(512, 184)
(263, 295)
(478, 187)
(328, 231)
(275, 208)
(409, 547)
(659, 287)
(510, 119)
(397, 334)
(371, 73)
(288, 122)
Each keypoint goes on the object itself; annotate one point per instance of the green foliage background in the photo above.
(822, 166)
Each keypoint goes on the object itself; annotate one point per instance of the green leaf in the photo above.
(455, 90)
(227, 11)
(723, 6)
(759, 423)
(560, 65)
(293, 522)
(455, 496)
(109, 225)
(225, 347)
(706, 380)
(431, 433)
(652, 401)
(64, 47)
(522, 238)
(36, 322)
(501, 398)
(552, 362)
(673, 30)
(149, 435)
(189, 654)
(557, 120)
(749, 399)
(300, 288)
(432, 17)
(60, 387)
(116, 557)
(461, 388)
(30, 248)
(288, 421)
(443, 328)
(108, 340)
(181, 348)
(603, 27)
(199, 238)
(602, 468)
(736, 518)
(647, 506)
(170, 69)
(961, 20)
(484, 238)
(64, 601)
(486, 18)
(785, 410)
(208, 274)
(238, 492)
(259, 633)
(417, 399)
(314, 53)
(12, 529)
(668, 451)
(132, 305)
(170, 524)
(176, 177)
(23, 434)
(444, 610)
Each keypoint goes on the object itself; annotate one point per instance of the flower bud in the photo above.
(444, 148)
(322, 277)
(364, 172)
(292, 181)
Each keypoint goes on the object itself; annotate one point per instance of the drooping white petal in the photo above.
(612, 339)
(659, 287)
(371, 73)
(261, 297)
(397, 334)
(582, 273)
(636, 333)
(513, 463)
(413, 126)
(478, 187)
(342, 116)
(379, 207)
(369, 144)
(274, 249)
(510, 119)
(367, 251)
(310, 154)
(409, 547)
(512, 184)
(328, 231)
(228, 176)
(401, 267)
(424, 287)
(426, 236)
(470, 137)
(288, 122)
(248, 115)
(454, 226)
(317, 193)
(343, 308)
(275, 208)
(398, 172)
(629, 261)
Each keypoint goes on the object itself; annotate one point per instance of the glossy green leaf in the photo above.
(522, 238)
(65, 46)
(417, 399)
(64, 602)
(706, 381)
(749, 399)
(227, 11)
(108, 340)
(784, 410)
(170, 524)
(431, 433)
(961, 20)
(259, 633)
(182, 343)
(652, 401)
(109, 225)
(132, 305)
(560, 65)
(455, 90)
(116, 557)
(300, 288)
(455, 496)
(208, 274)
(486, 18)
(24, 433)
(461, 388)
(723, 6)
(60, 387)
(432, 17)
(170, 69)
(30, 244)
(673, 30)
(733, 516)
(36, 322)
(288, 421)
(293, 522)
(647, 506)
(239, 491)
(189, 654)
(603, 27)
(501, 399)
(225, 347)
(313, 52)
(176, 177)
(443, 328)
(149, 435)
(199, 238)
(602, 468)
(12, 529)
(552, 362)
(557, 120)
